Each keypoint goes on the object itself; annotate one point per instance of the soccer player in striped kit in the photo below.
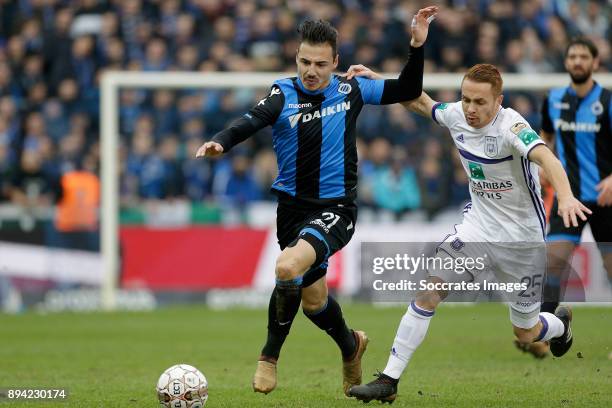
(313, 118)
(577, 124)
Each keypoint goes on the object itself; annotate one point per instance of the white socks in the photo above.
(410, 334)
(552, 327)
(413, 328)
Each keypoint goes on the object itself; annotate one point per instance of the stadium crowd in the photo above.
(52, 53)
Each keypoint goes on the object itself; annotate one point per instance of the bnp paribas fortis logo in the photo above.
(476, 171)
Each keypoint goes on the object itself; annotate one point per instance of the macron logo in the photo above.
(330, 110)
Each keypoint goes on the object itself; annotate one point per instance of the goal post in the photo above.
(113, 81)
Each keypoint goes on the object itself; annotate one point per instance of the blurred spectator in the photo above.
(400, 127)
(32, 185)
(56, 119)
(8, 87)
(68, 93)
(372, 158)
(5, 165)
(58, 43)
(168, 151)
(156, 57)
(164, 113)
(395, 186)
(235, 183)
(196, 173)
(435, 178)
(534, 57)
(594, 21)
(76, 218)
(265, 171)
(145, 167)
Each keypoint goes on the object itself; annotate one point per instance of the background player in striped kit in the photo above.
(313, 119)
(576, 123)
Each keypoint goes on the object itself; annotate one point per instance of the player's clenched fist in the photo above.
(209, 149)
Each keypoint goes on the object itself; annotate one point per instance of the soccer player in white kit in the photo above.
(499, 152)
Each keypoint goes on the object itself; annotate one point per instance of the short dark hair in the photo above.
(584, 41)
(318, 32)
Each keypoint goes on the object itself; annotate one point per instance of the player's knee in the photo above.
(556, 265)
(287, 269)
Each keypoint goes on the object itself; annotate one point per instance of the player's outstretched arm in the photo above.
(422, 105)
(409, 85)
(265, 113)
(240, 130)
(549, 139)
(569, 207)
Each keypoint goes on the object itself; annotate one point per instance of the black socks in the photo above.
(284, 304)
(330, 319)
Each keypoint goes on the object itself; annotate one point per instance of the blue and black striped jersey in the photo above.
(313, 135)
(583, 136)
(314, 131)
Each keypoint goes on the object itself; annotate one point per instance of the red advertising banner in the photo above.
(194, 258)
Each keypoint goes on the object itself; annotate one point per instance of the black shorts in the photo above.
(600, 222)
(328, 228)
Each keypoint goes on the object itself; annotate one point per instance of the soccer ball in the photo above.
(182, 386)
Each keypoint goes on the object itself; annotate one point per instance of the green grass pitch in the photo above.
(467, 359)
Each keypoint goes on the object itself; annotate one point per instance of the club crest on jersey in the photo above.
(490, 148)
(460, 138)
(597, 108)
(345, 88)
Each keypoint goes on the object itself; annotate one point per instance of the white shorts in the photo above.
(509, 272)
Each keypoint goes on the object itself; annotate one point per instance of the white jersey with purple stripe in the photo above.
(504, 184)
